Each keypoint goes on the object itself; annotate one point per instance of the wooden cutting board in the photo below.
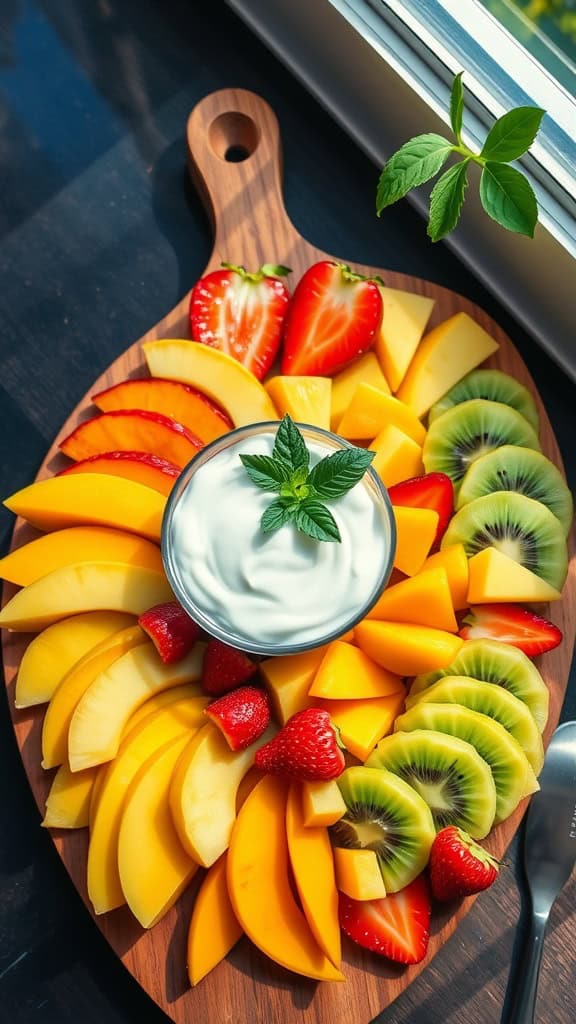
(235, 162)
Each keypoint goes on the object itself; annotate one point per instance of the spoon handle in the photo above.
(524, 1001)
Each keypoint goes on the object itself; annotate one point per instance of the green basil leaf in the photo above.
(265, 472)
(338, 473)
(512, 134)
(314, 519)
(290, 446)
(414, 163)
(508, 198)
(457, 106)
(446, 201)
(276, 515)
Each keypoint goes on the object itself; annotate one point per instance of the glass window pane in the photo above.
(546, 28)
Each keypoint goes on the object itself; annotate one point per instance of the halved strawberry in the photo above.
(224, 668)
(433, 490)
(242, 715)
(171, 630)
(397, 926)
(241, 313)
(334, 317)
(459, 866)
(513, 625)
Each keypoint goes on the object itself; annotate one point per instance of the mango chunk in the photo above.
(363, 722)
(403, 324)
(68, 802)
(453, 559)
(345, 673)
(90, 499)
(312, 863)
(447, 353)
(154, 868)
(405, 648)
(424, 599)
(365, 370)
(288, 678)
(415, 534)
(214, 930)
(398, 457)
(51, 654)
(358, 874)
(305, 399)
(495, 577)
(259, 885)
(322, 804)
(371, 409)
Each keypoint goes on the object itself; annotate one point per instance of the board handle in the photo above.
(235, 161)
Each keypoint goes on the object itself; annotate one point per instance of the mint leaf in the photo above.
(277, 514)
(512, 134)
(508, 198)
(314, 519)
(457, 106)
(289, 446)
(338, 473)
(414, 163)
(265, 472)
(446, 201)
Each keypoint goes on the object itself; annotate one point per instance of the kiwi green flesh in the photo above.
(491, 700)
(519, 527)
(386, 815)
(468, 431)
(511, 770)
(494, 662)
(493, 385)
(524, 470)
(447, 772)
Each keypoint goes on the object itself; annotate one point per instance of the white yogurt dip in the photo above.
(281, 588)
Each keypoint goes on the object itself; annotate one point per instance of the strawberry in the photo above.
(306, 749)
(334, 317)
(224, 668)
(459, 866)
(433, 490)
(241, 314)
(171, 630)
(242, 715)
(397, 926)
(511, 625)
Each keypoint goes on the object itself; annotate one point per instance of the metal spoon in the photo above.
(549, 856)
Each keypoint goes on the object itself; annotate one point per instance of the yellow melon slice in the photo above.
(494, 577)
(365, 370)
(398, 457)
(407, 649)
(346, 673)
(322, 804)
(424, 599)
(453, 559)
(358, 874)
(371, 409)
(161, 700)
(403, 324)
(415, 534)
(363, 722)
(305, 399)
(214, 930)
(68, 802)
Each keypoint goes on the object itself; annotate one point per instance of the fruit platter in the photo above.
(290, 833)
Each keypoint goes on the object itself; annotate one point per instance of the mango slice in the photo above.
(322, 804)
(424, 599)
(154, 869)
(398, 457)
(90, 499)
(370, 410)
(404, 648)
(365, 370)
(494, 577)
(454, 560)
(259, 885)
(219, 376)
(288, 679)
(305, 399)
(363, 722)
(214, 930)
(310, 853)
(358, 874)
(403, 324)
(415, 533)
(116, 693)
(68, 802)
(51, 654)
(346, 673)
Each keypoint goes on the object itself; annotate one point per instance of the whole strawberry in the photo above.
(242, 715)
(459, 866)
(171, 630)
(306, 749)
(224, 668)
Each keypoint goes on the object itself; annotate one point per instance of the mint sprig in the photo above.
(299, 488)
(505, 193)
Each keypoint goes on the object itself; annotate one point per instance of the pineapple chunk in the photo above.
(403, 324)
(365, 370)
(495, 577)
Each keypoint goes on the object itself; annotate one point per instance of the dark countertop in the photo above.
(101, 233)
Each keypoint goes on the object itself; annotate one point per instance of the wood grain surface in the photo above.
(244, 197)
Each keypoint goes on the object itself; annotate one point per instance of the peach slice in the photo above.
(407, 649)
(179, 401)
(346, 673)
(214, 930)
(68, 802)
(424, 599)
(132, 430)
(144, 468)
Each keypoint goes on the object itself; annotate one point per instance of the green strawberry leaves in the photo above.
(505, 193)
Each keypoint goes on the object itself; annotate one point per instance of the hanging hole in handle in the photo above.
(233, 137)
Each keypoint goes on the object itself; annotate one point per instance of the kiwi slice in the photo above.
(493, 385)
(386, 815)
(447, 772)
(512, 773)
(467, 431)
(523, 470)
(494, 662)
(497, 703)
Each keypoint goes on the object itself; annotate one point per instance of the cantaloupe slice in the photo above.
(453, 559)
(346, 673)
(363, 722)
(90, 499)
(312, 864)
(322, 804)
(397, 458)
(415, 533)
(494, 577)
(305, 399)
(219, 376)
(288, 678)
(358, 874)
(365, 370)
(68, 802)
(371, 409)
(406, 649)
(259, 885)
(424, 599)
(403, 324)
(214, 929)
